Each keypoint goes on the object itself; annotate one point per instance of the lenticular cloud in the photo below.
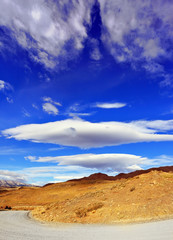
(106, 162)
(84, 134)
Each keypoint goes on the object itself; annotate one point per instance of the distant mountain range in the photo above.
(102, 176)
(11, 183)
(93, 177)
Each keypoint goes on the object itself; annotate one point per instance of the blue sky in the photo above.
(85, 86)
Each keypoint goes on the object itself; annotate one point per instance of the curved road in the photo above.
(17, 225)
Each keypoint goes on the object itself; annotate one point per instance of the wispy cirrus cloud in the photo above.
(5, 86)
(134, 30)
(35, 106)
(9, 99)
(76, 110)
(84, 134)
(140, 33)
(95, 53)
(137, 32)
(12, 150)
(44, 28)
(49, 100)
(26, 113)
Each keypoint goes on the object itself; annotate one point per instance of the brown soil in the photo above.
(134, 197)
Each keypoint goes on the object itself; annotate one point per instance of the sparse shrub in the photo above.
(82, 212)
(94, 206)
(132, 189)
(113, 187)
(8, 207)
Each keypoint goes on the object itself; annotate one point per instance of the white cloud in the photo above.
(84, 134)
(162, 160)
(2, 85)
(82, 165)
(68, 177)
(11, 150)
(95, 53)
(154, 67)
(39, 171)
(26, 113)
(77, 166)
(45, 27)
(167, 80)
(5, 86)
(50, 108)
(152, 50)
(77, 114)
(104, 162)
(35, 106)
(12, 175)
(55, 173)
(110, 105)
(75, 107)
(45, 174)
(153, 126)
(30, 158)
(48, 99)
(9, 100)
(137, 31)
(134, 167)
(76, 110)
(55, 149)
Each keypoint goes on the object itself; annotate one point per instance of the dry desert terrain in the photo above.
(135, 197)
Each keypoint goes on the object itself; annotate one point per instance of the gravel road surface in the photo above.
(17, 225)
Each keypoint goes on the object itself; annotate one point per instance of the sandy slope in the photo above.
(141, 198)
(16, 225)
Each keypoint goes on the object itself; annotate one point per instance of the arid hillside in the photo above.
(138, 196)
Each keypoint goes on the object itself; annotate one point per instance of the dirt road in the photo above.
(17, 225)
